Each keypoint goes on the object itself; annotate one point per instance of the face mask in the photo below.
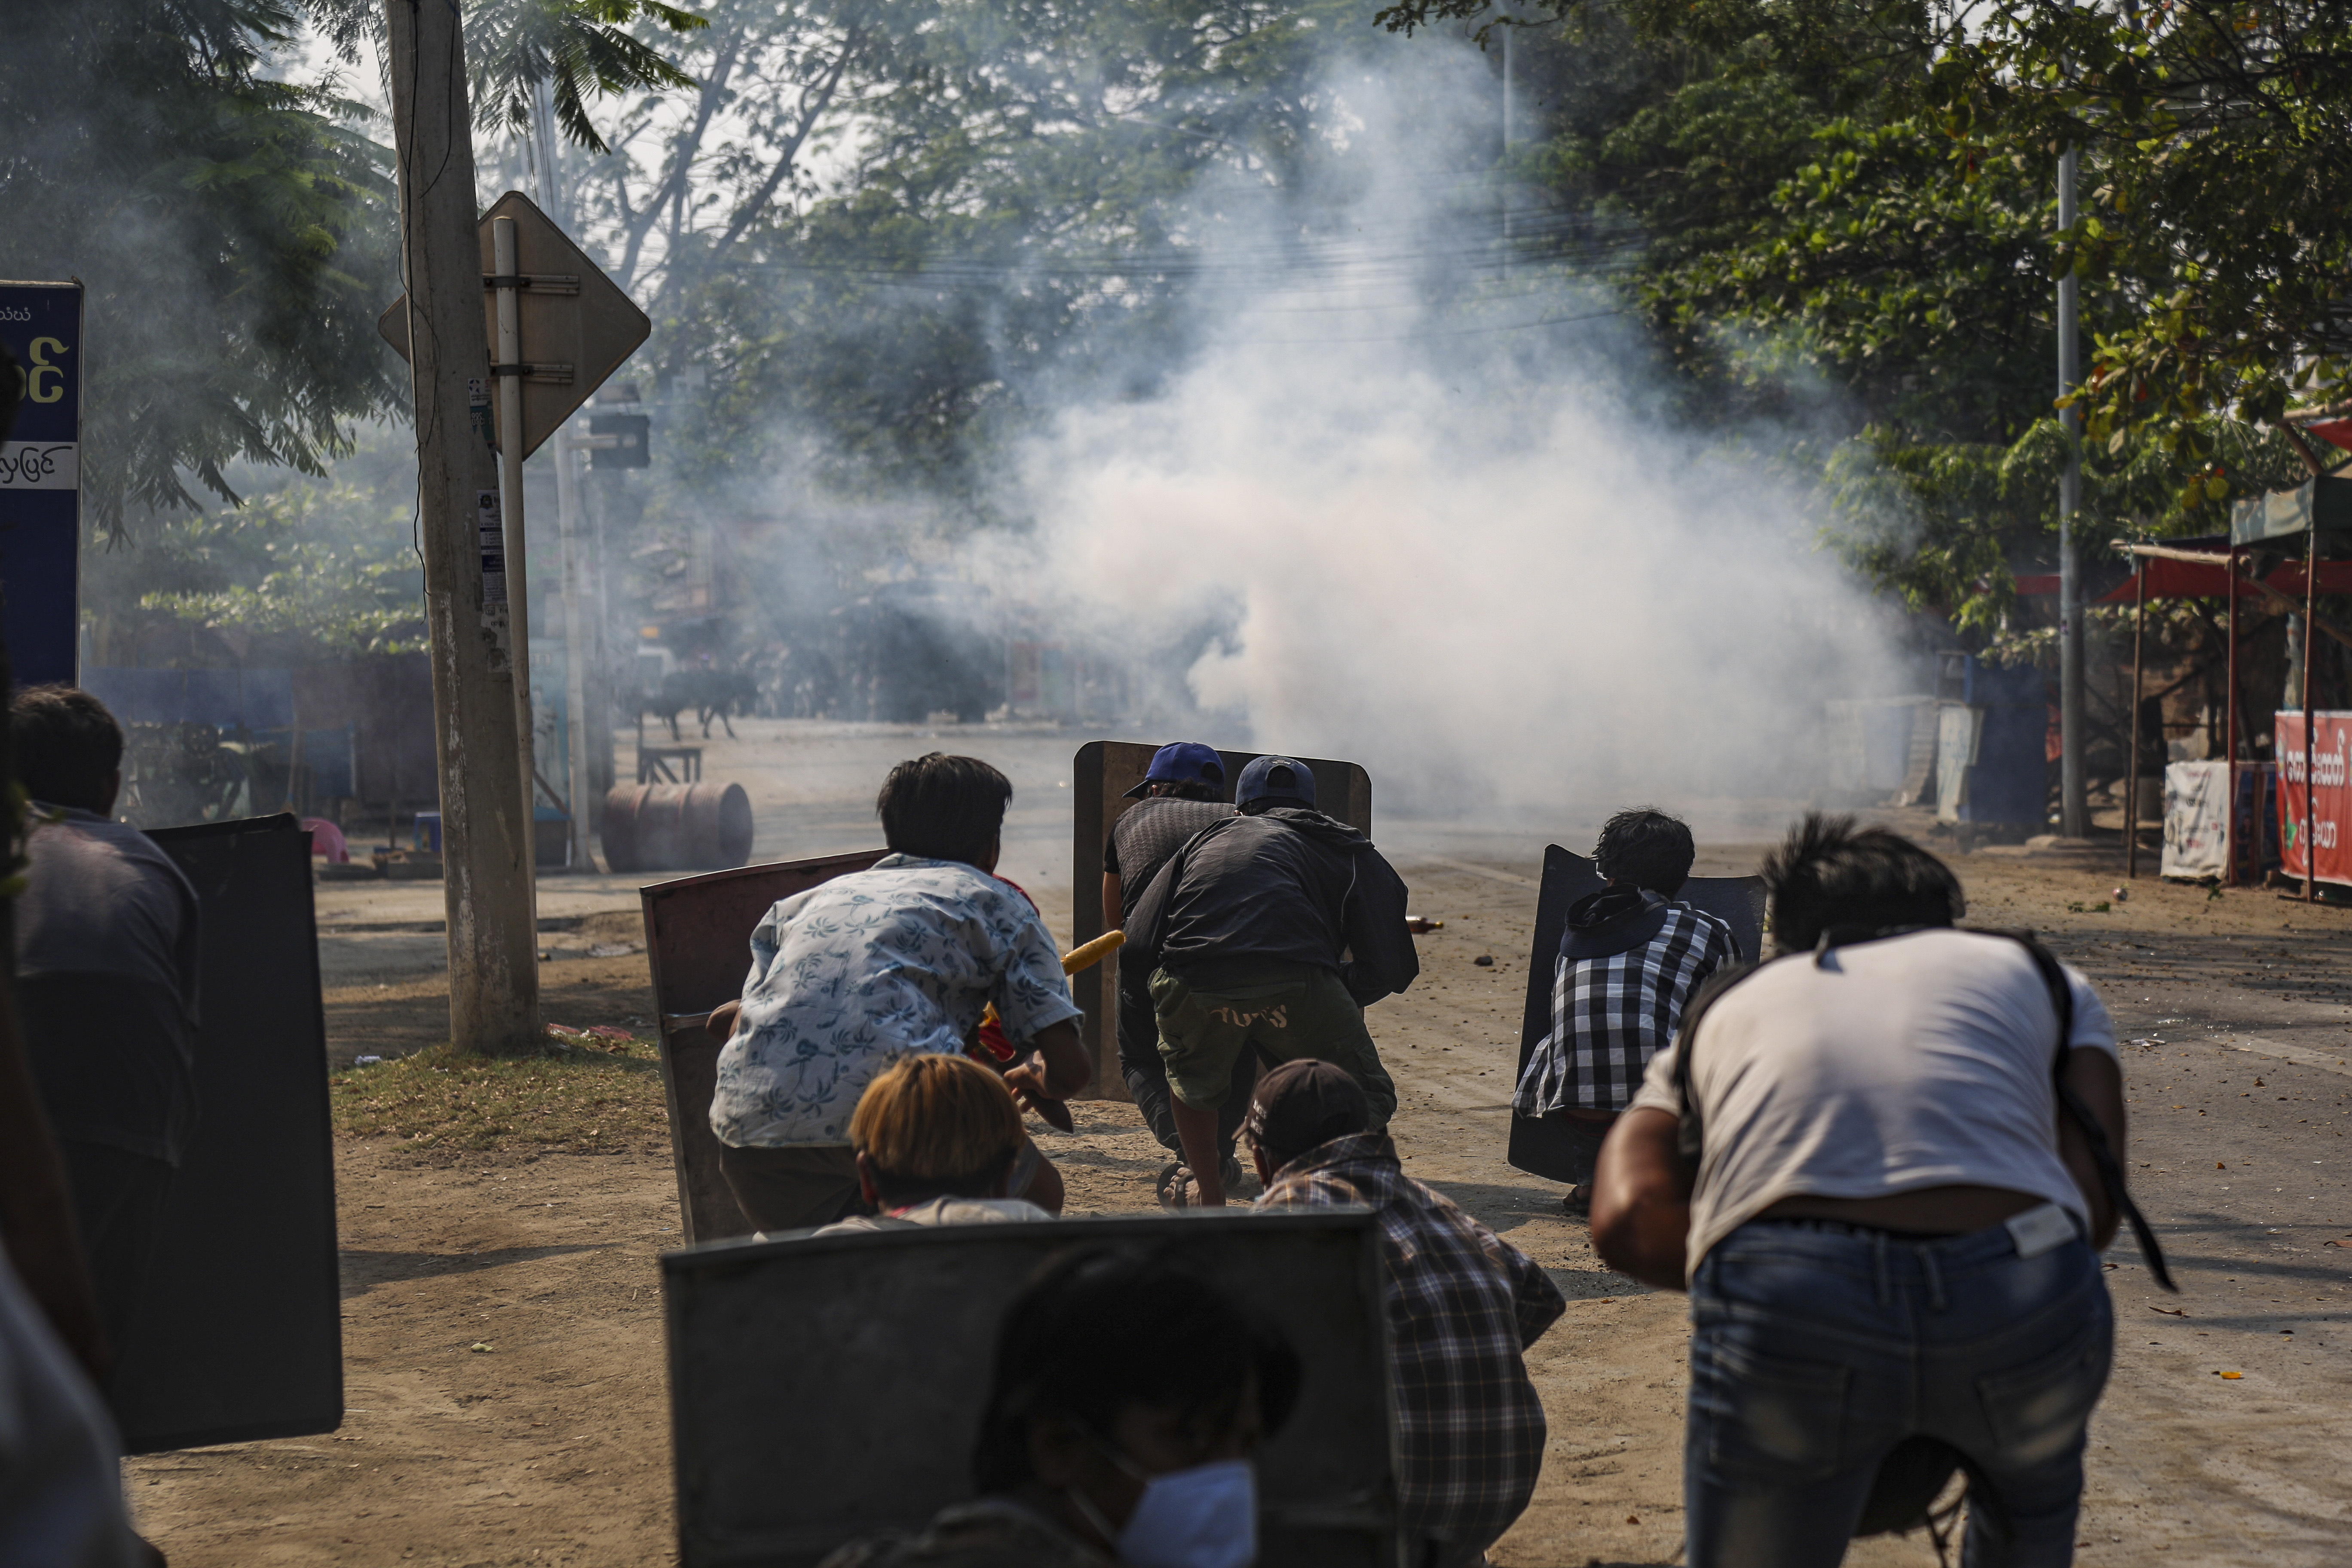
(1205, 1517)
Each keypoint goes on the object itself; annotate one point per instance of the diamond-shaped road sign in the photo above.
(577, 326)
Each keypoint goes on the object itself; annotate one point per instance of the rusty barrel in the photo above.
(678, 828)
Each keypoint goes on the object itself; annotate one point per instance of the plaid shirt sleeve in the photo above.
(1536, 1301)
(1462, 1304)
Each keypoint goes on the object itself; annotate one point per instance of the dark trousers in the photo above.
(1146, 1075)
(1575, 1143)
(792, 1188)
(118, 1199)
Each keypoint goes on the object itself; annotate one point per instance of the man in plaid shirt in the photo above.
(1463, 1305)
(1631, 958)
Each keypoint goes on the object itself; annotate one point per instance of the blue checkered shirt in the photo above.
(1609, 1016)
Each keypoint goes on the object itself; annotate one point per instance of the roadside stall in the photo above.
(2230, 818)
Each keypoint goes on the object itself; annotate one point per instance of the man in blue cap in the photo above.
(1182, 792)
(1266, 935)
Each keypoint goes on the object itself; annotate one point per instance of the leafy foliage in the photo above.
(1014, 217)
(336, 594)
(578, 49)
(1859, 196)
(236, 229)
(306, 568)
(232, 230)
(2187, 110)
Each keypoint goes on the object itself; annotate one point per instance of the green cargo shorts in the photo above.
(1281, 1010)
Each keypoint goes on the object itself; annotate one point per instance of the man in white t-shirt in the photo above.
(1890, 1231)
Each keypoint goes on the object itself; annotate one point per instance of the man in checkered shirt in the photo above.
(1631, 958)
(1463, 1304)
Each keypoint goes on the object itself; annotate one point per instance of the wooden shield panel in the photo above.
(1101, 774)
(240, 1330)
(698, 945)
(1568, 877)
(825, 1388)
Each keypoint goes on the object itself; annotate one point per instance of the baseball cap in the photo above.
(1304, 1104)
(1276, 778)
(1183, 761)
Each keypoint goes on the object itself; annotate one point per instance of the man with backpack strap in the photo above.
(1876, 1165)
(1268, 934)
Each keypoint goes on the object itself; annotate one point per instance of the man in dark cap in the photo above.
(1182, 792)
(1266, 935)
(1462, 1306)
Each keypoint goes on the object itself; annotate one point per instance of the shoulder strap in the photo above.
(2102, 1153)
(1691, 1135)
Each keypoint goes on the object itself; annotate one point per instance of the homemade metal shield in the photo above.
(825, 1388)
(698, 945)
(1103, 772)
(240, 1333)
(1537, 1145)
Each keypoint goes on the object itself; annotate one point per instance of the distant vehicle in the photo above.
(707, 693)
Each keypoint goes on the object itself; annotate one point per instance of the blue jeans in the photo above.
(1816, 1347)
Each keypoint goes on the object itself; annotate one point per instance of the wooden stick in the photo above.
(2229, 739)
(2131, 788)
(2310, 458)
(2310, 785)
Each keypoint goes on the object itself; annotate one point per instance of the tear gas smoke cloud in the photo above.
(1473, 561)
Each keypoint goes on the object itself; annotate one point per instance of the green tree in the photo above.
(1821, 204)
(232, 230)
(2221, 201)
(304, 569)
(1016, 215)
(236, 229)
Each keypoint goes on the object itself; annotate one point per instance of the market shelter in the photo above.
(2215, 813)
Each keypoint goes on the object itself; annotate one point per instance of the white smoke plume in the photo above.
(1473, 561)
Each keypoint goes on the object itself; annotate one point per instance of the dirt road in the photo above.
(504, 1337)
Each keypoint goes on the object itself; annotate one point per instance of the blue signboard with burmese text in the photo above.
(40, 481)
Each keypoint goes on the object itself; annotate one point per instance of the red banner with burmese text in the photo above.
(2331, 827)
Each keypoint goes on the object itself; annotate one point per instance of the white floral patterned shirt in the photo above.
(856, 973)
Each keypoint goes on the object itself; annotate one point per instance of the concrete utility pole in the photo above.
(575, 642)
(2073, 814)
(582, 798)
(486, 834)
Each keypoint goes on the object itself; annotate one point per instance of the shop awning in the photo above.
(2172, 578)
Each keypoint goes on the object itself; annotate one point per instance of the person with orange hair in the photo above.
(939, 1141)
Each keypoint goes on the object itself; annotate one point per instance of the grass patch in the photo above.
(577, 1100)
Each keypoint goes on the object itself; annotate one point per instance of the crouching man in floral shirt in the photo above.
(871, 967)
(1462, 1306)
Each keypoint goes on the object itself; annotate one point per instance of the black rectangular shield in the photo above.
(240, 1332)
(1101, 774)
(824, 1388)
(1537, 1146)
(698, 945)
